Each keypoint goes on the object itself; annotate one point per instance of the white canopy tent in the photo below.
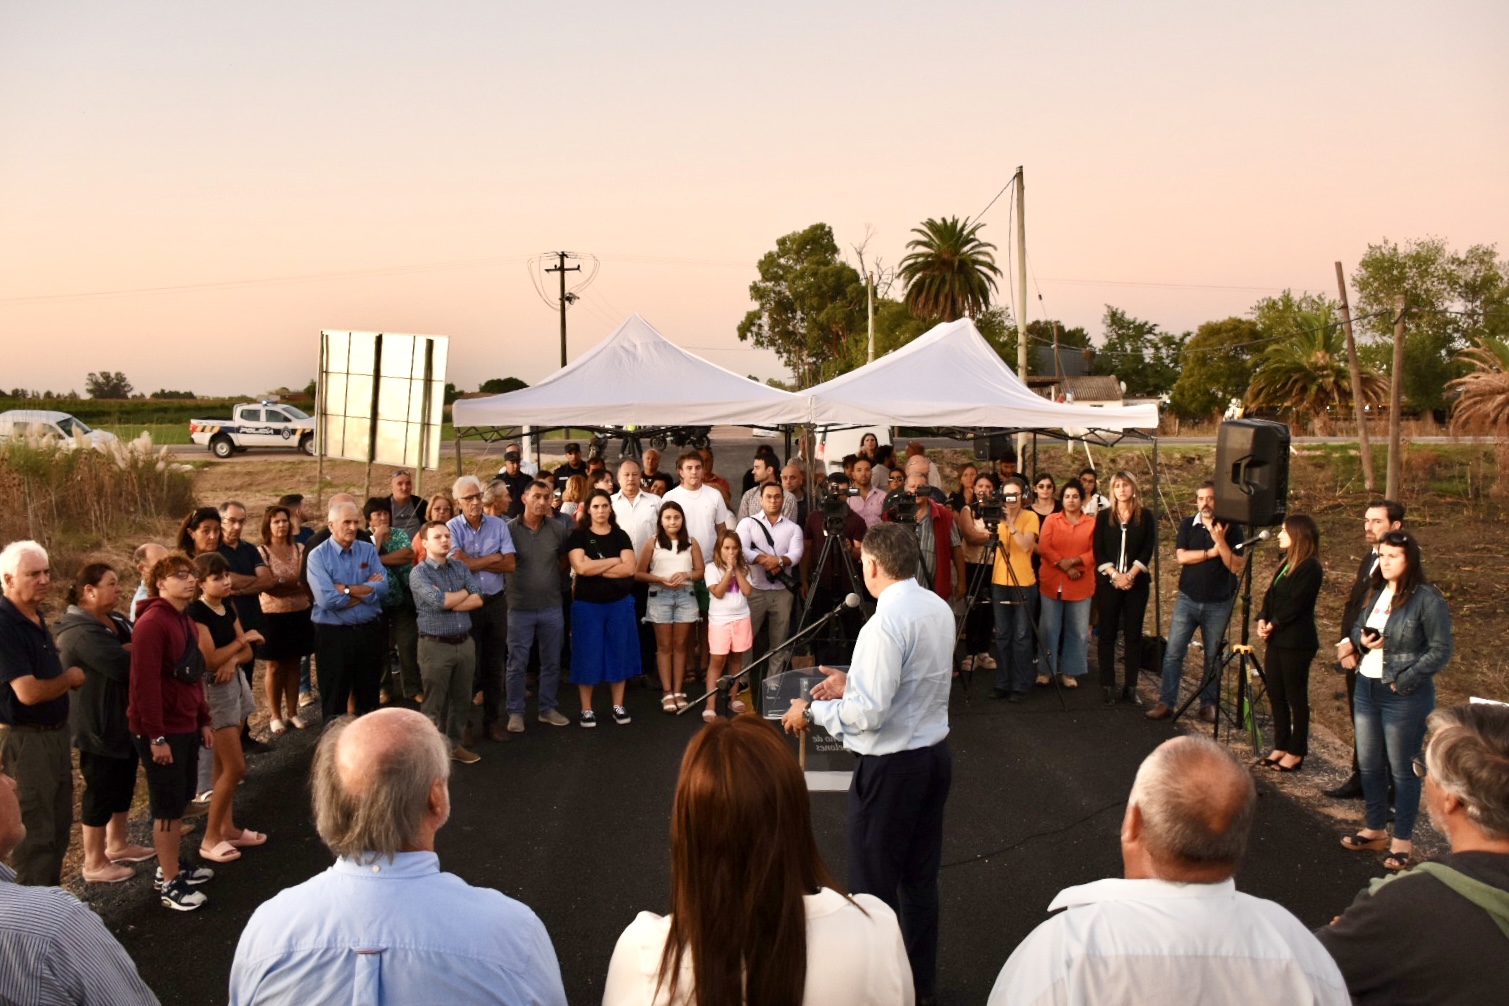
(951, 377)
(635, 377)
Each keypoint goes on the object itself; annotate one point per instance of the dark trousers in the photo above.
(402, 627)
(1288, 673)
(349, 661)
(1120, 611)
(41, 764)
(896, 844)
(490, 634)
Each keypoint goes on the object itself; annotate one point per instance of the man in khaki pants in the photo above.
(444, 592)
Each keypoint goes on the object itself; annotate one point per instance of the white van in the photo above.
(21, 423)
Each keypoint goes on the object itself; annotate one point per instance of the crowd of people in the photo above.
(428, 624)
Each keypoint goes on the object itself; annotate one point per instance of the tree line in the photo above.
(1286, 356)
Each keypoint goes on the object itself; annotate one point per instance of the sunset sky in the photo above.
(190, 192)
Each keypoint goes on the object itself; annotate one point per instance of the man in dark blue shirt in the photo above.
(1208, 571)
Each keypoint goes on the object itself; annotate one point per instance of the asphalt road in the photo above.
(574, 824)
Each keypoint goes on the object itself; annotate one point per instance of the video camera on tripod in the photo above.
(990, 509)
(835, 501)
(901, 506)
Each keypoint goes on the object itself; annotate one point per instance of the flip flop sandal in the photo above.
(1402, 861)
(145, 855)
(247, 838)
(225, 852)
(1360, 842)
(668, 702)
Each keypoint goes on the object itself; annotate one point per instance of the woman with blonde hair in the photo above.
(1123, 541)
(755, 917)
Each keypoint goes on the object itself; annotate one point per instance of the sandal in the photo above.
(297, 722)
(681, 702)
(1279, 766)
(1396, 862)
(131, 854)
(110, 873)
(1359, 842)
(668, 702)
(709, 714)
(248, 838)
(225, 852)
(1270, 761)
(276, 727)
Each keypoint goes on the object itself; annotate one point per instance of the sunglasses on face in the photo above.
(184, 574)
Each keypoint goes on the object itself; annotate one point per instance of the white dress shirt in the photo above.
(789, 545)
(854, 957)
(1152, 941)
(896, 697)
(639, 517)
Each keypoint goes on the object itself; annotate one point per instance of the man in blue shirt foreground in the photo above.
(891, 709)
(384, 924)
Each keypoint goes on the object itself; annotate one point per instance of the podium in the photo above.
(826, 765)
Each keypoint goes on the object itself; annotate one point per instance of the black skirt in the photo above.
(290, 635)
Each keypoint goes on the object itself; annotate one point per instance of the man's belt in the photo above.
(452, 640)
(34, 728)
(490, 598)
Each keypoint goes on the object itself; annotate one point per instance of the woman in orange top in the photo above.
(1067, 582)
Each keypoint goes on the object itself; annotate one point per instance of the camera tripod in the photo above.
(1252, 683)
(982, 580)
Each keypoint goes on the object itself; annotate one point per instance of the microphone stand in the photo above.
(726, 684)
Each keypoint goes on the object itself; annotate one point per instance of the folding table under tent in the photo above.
(634, 377)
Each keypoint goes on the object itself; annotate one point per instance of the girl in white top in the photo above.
(729, 630)
(742, 821)
(671, 562)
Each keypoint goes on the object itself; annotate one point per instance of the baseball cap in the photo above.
(573, 448)
(511, 456)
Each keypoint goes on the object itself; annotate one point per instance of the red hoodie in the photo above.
(160, 704)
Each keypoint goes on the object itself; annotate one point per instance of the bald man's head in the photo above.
(1194, 804)
(375, 784)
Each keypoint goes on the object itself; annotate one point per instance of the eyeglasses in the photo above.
(1418, 764)
(895, 478)
(184, 574)
(469, 499)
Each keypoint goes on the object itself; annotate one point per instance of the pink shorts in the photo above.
(725, 637)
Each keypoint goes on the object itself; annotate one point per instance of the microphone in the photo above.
(852, 601)
(1263, 535)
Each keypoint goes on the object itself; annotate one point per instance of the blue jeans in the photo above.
(1068, 621)
(1015, 610)
(1211, 618)
(1390, 728)
(548, 625)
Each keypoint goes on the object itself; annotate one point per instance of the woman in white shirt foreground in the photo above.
(752, 903)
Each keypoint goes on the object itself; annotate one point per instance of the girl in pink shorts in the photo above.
(729, 632)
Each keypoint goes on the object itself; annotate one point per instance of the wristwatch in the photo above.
(156, 741)
(346, 591)
(807, 712)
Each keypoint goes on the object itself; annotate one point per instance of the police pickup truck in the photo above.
(255, 424)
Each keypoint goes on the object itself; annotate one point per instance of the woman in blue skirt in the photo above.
(604, 634)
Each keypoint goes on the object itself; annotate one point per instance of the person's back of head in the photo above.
(743, 857)
(1189, 813)
(1467, 757)
(380, 785)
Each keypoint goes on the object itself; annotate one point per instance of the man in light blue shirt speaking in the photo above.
(384, 925)
(891, 709)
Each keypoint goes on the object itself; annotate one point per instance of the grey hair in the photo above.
(1185, 791)
(387, 816)
(465, 482)
(334, 513)
(1468, 756)
(10, 557)
(494, 489)
(222, 508)
(894, 547)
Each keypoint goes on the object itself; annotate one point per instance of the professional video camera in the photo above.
(901, 506)
(991, 508)
(836, 494)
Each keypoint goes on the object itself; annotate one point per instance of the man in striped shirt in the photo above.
(53, 949)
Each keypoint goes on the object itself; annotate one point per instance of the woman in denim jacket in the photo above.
(1404, 635)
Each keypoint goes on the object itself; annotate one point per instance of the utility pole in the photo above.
(870, 309)
(1395, 402)
(1364, 442)
(566, 298)
(1021, 279)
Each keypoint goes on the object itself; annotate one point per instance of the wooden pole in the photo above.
(1364, 442)
(1395, 402)
(1021, 303)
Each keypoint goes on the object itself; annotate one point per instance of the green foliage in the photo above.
(451, 393)
(1303, 372)
(1215, 366)
(811, 305)
(1453, 300)
(501, 385)
(162, 394)
(1482, 404)
(115, 414)
(1140, 354)
(950, 272)
(106, 384)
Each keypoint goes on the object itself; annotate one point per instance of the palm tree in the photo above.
(949, 272)
(1483, 399)
(1305, 373)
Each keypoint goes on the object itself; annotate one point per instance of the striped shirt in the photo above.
(55, 950)
(429, 582)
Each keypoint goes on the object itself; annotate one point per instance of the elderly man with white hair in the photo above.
(34, 689)
(384, 924)
(482, 543)
(1175, 929)
(348, 582)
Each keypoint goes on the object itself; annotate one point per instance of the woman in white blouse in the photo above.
(752, 903)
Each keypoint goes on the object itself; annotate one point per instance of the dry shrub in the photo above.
(60, 491)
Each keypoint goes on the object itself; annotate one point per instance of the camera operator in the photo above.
(1013, 589)
(824, 588)
(975, 529)
(941, 565)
